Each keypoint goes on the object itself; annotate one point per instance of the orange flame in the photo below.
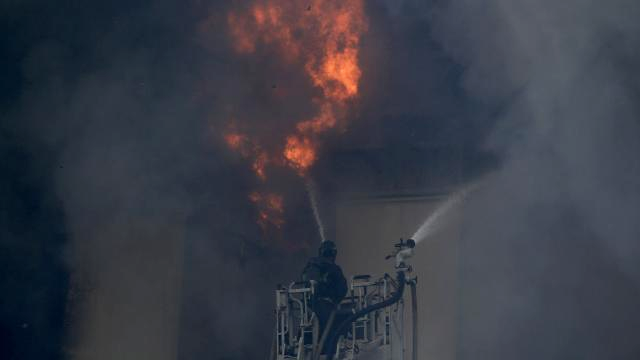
(259, 164)
(270, 209)
(234, 140)
(323, 36)
(248, 149)
(300, 153)
(238, 142)
(324, 121)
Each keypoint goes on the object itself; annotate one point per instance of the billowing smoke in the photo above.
(123, 107)
(126, 106)
(552, 241)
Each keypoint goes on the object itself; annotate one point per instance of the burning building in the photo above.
(170, 162)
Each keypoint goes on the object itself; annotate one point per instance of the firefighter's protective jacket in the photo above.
(331, 282)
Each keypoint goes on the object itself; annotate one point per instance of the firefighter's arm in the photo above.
(341, 284)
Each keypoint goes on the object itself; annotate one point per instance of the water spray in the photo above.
(403, 250)
(434, 221)
(311, 192)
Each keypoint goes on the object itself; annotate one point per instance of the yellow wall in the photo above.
(366, 231)
(131, 310)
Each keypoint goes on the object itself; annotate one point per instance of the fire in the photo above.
(323, 36)
(270, 209)
(259, 165)
(237, 142)
(300, 153)
(324, 121)
(248, 149)
(234, 140)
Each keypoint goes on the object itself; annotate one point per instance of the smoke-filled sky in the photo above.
(114, 164)
(553, 240)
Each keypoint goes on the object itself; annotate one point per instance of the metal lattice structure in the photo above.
(379, 332)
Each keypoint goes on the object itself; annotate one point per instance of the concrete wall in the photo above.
(130, 310)
(366, 231)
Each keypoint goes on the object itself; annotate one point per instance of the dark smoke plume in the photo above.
(117, 110)
(113, 167)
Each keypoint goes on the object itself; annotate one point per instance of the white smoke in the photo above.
(551, 244)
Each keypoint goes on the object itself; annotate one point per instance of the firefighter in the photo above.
(331, 286)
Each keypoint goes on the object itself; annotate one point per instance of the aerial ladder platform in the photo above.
(369, 322)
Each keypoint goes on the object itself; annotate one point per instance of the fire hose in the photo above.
(344, 325)
(414, 320)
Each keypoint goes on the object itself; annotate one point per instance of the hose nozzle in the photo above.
(403, 251)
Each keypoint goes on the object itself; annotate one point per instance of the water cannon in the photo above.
(403, 250)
